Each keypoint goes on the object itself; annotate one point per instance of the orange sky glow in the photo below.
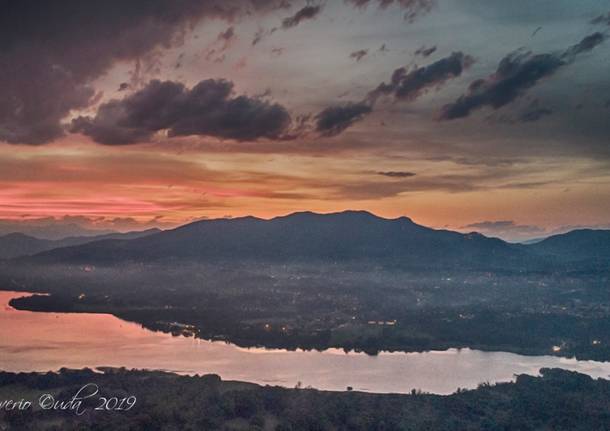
(225, 113)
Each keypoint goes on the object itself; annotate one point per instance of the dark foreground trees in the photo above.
(559, 400)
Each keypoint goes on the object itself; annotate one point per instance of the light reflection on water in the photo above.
(48, 341)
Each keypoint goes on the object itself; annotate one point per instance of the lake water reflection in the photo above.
(48, 341)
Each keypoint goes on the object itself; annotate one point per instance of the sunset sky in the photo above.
(486, 115)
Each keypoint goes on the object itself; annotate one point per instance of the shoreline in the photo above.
(25, 304)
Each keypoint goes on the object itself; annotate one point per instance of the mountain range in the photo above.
(19, 244)
(336, 237)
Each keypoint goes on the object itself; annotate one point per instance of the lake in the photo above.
(48, 341)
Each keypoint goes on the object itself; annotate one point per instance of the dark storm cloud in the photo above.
(208, 109)
(228, 34)
(516, 73)
(404, 85)
(585, 45)
(335, 119)
(258, 36)
(425, 51)
(412, 8)
(51, 51)
(409, 85)
(359, 55)
(308, 12)
(223, 42)
(397, 174)
(601, 19)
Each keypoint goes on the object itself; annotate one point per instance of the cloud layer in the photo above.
(307, 13)
(335, 119)
(51, 51)
(409, 85)
(516, 73)
(208, 109)
(507, 229)
(412, 9)
(405, 85)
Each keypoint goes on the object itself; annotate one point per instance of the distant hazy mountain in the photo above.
(350, 235)
(52, 230)
(19, 244)
(577, 245)
(532, 241)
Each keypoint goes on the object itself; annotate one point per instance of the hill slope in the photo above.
(577, 245)
(345, 236)
(19, 244)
